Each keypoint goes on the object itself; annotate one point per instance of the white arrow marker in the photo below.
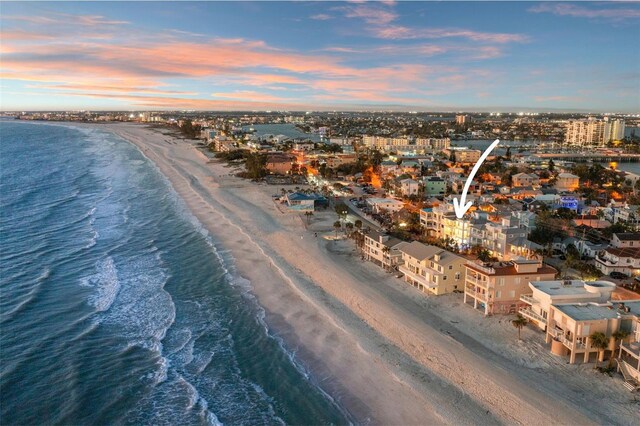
(459, 205)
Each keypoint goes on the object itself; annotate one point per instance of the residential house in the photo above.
(623, 260)
(567, 182)
(385, 204)
(570, 326)
(625, 240)
(546, 293)
(496, 287)
(434, 186)
(432, 269)
(524, 180)
(629, 354)
(383, 249)
(409, 187)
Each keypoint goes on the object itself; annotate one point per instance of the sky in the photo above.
(422, 56)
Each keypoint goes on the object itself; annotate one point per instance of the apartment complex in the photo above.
(464, 155)
(496, 287)
(593, 132)
(406, 143)
(432, 269)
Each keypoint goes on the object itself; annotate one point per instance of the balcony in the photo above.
(414, 276)
(528, 313)
(528, 298)
(477, 281)
(478, 295)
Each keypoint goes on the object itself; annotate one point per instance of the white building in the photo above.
(546, 293)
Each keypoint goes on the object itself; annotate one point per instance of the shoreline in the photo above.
(378, 353)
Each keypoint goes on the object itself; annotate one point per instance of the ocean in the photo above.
(116, 305)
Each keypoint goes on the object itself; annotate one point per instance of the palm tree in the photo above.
(619, 335)
(358, 224)
(599, 341)
(349, 227)
(385, 251)
(337, 225)
(519, 323)
(308, 214)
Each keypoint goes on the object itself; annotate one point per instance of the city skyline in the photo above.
(321, 56)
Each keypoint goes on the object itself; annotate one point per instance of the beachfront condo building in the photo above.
(432, 269)
(496, 287)
(571, 325)
(383, 249)
(543, 294)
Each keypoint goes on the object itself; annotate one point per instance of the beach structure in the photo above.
(543, 294)
(383, 249)
(299, 201)
(571, 325)
(432, 269)
(496, 287)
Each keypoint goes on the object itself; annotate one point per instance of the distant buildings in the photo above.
(406, 144)
(567, 182)
(463, 155)
(461, 119)
(524, 179)
(434, 186)
(593, 132)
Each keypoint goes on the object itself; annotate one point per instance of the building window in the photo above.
(457, 276)
(450, 266)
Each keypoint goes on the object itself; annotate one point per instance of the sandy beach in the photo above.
(385, 352)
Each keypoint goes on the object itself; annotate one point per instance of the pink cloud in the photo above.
(565, 9)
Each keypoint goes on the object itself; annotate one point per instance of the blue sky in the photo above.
(321, 55)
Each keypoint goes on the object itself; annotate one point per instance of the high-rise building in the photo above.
(617, 130)
(461, 119)
(592, 132)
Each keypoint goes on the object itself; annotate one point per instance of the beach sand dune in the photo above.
(364, 340)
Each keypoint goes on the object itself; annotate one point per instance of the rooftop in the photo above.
(627, 236)
(571, 287)
(587, 311)
(421, 251)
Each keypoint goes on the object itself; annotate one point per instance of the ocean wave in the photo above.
(106, 284)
